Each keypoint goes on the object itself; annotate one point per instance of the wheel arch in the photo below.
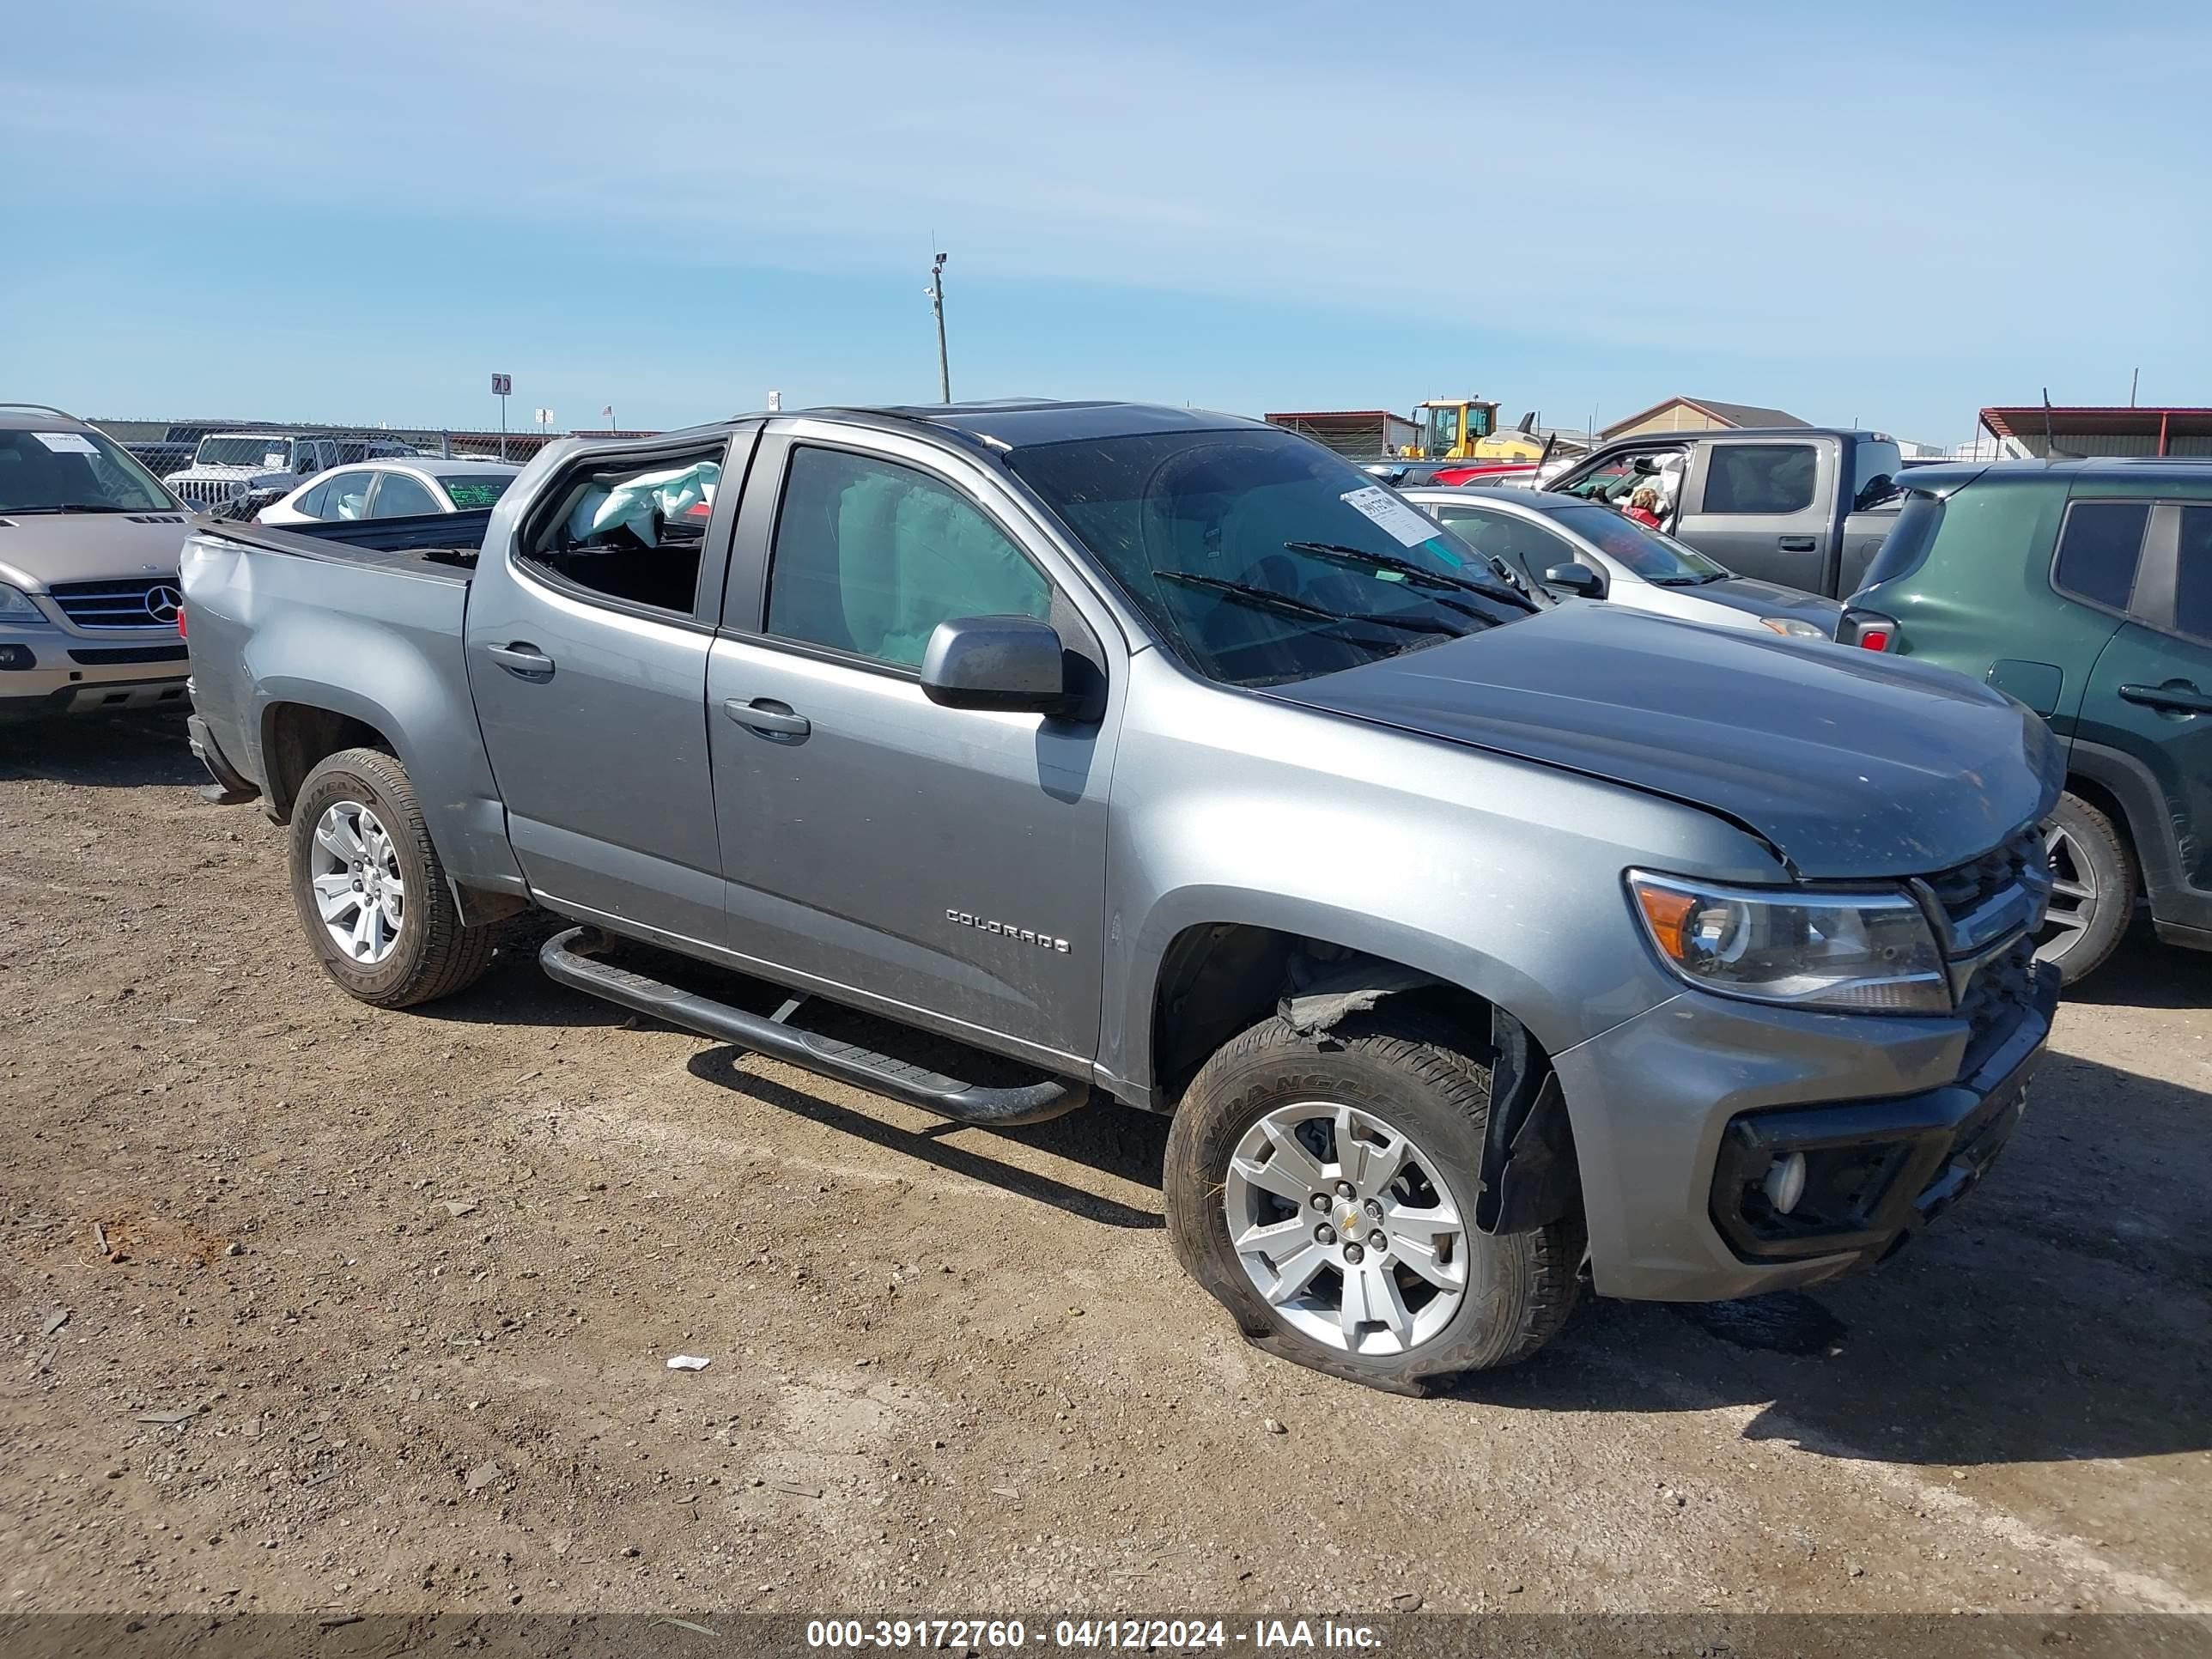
(426, 724)
(1217, 979)
(2125, 790)
(298, 736)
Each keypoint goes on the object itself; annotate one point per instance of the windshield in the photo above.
(87, 471)
(261, 453)
(471, 490)
(1263, 558)
(1652, 555)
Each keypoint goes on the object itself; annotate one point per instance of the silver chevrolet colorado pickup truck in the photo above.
(1001, 757)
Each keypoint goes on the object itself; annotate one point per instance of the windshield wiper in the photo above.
(81, 507)
(1337, 552)
(1267, 599)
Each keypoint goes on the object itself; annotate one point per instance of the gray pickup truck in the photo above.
(998, 758)
(1806, 506)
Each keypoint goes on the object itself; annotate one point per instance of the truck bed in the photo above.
(366, 620)
(436, 545)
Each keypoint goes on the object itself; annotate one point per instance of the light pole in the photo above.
(936, 291)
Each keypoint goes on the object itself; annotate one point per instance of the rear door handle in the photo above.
(765, 714)
(2178, 696)
(1798, 543)
(523, 660)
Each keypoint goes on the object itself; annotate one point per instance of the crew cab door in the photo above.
(1766, 507)
(2150, 697)
(943, 865)
(587, 640)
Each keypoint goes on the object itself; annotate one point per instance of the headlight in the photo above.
(1791, 627)
(1873, 953)
(15, 606)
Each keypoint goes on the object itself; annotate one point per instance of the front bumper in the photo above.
(1680, 1113)
(49, 669)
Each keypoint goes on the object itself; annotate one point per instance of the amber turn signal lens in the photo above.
(1667, 913)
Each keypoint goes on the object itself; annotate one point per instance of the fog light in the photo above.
(16, 656)
(1785, 1182)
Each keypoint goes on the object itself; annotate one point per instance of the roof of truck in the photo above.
(1020, 422)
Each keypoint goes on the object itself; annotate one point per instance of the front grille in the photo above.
(207, 492)
(2002, 990)
(1986, 898)
(1991, 909)
(132, 604)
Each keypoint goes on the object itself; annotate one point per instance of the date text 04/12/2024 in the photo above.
(1009, 1635)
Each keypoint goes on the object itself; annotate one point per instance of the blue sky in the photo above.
(1889, 212)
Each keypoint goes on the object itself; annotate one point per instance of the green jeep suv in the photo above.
(2084, 589)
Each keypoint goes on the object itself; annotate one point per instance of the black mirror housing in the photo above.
(1576, 578)
(1007, 663)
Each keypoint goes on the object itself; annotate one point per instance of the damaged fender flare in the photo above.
(1528, 1176)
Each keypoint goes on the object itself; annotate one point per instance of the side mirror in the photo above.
(1879, 488)
(1576, 578)
(1009, 663)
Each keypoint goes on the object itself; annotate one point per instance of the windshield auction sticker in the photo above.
(66, 443)
(1404, 525)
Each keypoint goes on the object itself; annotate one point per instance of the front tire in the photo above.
(2092, 896)
(371, 890)
(1388, 1283)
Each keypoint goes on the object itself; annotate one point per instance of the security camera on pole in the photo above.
(936, 292)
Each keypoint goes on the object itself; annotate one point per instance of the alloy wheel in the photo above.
(360, 890)
(2073, 893)
(1347, 1227)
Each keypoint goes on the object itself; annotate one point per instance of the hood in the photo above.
(1761, 598)
(1850, 763)
(39, 549)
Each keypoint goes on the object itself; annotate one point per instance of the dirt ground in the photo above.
(309, 1306)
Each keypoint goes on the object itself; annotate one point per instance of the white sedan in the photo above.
(1536, 533)
(399, 486)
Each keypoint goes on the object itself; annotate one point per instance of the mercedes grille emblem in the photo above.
(163, 602)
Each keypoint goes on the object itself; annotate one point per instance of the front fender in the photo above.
(1497, 875)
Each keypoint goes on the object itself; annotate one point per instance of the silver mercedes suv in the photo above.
(88, 596)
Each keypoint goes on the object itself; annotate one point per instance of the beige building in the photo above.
(1698, 414)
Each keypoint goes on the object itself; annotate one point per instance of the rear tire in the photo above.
(383, 922)
(2094, 884)
(1382, 1080)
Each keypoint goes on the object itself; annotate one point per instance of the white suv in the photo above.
(229, 464)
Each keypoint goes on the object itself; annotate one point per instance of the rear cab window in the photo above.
(1875, 464)
(631, 530)
(2099, 548)
(1771, 479)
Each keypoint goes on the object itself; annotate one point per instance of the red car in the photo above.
(1483, 472)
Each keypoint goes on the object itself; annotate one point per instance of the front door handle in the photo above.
(1797, 543)
(2175, 697)
(523, 660)
(765, 714)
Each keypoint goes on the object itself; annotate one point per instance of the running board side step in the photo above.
(568, 958)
